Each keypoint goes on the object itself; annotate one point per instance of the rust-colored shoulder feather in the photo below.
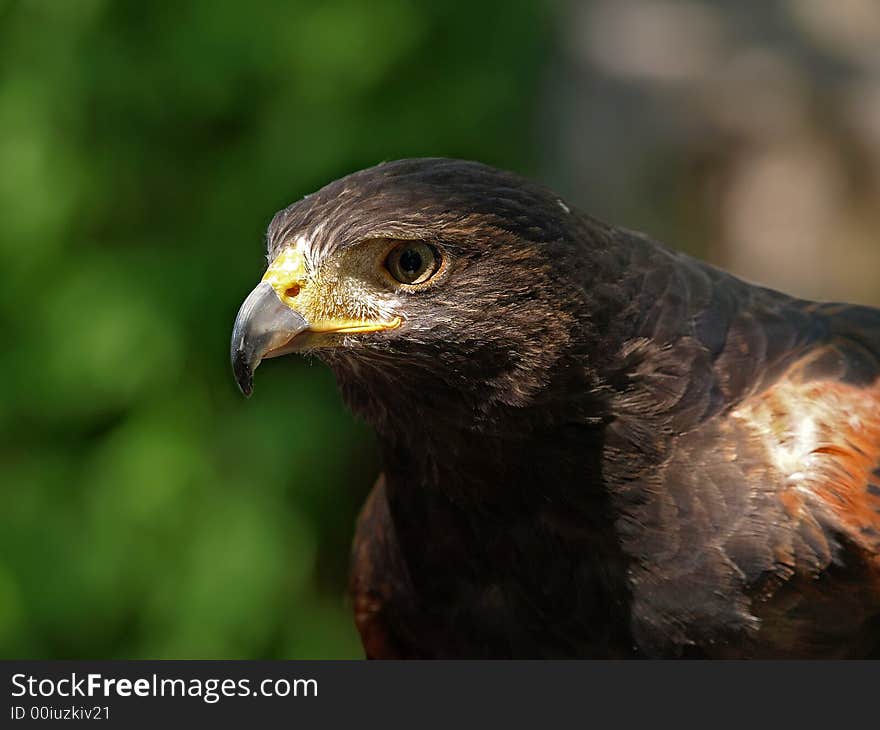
(760, 529)
(823, 437)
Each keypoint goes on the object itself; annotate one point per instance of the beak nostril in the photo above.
(292, 291)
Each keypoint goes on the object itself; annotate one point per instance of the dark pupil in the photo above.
(410, 261)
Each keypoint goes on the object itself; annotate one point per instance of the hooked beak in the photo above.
(285, 305)
(264, 324)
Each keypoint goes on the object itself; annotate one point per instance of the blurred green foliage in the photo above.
(148, 510)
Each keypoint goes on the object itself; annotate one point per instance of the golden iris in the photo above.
(412, 262)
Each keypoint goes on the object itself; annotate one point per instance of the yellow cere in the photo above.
(287, 274)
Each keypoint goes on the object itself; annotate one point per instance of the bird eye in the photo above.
(412, 262)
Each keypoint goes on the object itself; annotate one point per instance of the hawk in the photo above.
(593, 445)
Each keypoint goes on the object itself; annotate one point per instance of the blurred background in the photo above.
(148, 510)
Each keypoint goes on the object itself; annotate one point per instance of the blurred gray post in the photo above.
(746, 132)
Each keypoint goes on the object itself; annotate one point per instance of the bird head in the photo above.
(419, 281)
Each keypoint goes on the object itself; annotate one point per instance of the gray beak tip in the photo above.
(263, 324)
(244, 374)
